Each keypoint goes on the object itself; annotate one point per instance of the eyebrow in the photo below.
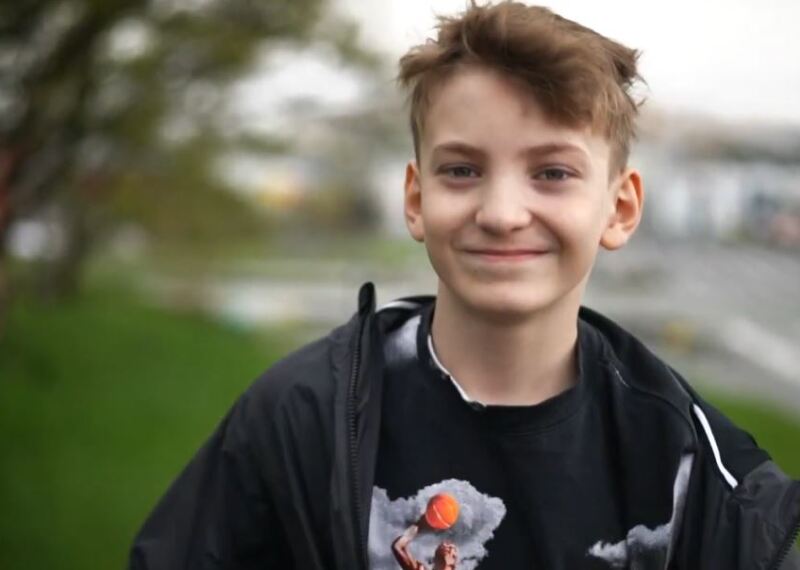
(537, 150)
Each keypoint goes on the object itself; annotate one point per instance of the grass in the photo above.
(104, 400)
(101, 403)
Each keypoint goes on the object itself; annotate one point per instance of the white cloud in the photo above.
(479, 516)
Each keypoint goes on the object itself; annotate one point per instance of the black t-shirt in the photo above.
(522, 486)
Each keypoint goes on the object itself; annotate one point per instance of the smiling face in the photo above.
(510, 205)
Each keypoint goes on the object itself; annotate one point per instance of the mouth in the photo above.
(506, 255)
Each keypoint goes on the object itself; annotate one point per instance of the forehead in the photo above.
(485, 108)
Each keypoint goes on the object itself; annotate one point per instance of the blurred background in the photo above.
(191, 188)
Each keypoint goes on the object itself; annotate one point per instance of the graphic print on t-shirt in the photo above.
(446, 525)
(645, 547)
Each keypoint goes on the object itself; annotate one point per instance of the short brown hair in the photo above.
(579, 76)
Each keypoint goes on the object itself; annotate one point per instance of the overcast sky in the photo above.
(735, 59)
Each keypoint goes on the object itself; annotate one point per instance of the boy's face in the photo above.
(512, 207)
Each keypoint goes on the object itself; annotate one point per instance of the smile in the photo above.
(499, 256)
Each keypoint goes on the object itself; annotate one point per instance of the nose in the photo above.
(502, 207)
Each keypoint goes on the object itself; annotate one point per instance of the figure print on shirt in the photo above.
(650, 548)
(446, 525)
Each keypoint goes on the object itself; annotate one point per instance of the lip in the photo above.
(507, 254)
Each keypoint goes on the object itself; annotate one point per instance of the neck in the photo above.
(511, 362)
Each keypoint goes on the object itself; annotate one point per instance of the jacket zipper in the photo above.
(787, 545)
(353, 433)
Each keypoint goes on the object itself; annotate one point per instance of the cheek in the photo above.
(443, 215)
(580, 221)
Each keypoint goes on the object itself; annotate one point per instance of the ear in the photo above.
(627, 200)
(413, 202)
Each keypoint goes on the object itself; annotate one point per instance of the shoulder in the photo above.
(741, 509)
(310, 369)
(299, 388)
(302, 389)
(304, 371)
(645, 375)
(733, 450)
(634, 369)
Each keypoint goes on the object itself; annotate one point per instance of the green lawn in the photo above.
(102, 401)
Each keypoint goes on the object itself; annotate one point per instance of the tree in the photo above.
(98, 94)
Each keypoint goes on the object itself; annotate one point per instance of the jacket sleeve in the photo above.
(742, 511)
(217, 514)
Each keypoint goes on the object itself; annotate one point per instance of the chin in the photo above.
(505, 302)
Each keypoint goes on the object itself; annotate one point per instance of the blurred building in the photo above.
(725, 182)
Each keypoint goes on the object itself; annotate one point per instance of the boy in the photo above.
(500, 418)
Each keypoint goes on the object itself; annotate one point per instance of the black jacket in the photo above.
(286, 479)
